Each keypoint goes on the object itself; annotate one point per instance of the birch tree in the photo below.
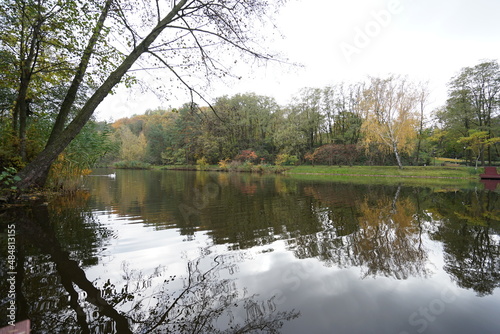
(422, 101)
(390, 117)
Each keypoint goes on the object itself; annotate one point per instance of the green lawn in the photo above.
(439, 177)
(370, 171)
(440, 184)
(392, 171)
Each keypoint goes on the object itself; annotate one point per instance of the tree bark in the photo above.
(398, 158)
(70, 97)
(25, 71)
(422, 98)
(21, 113)
(35, 173)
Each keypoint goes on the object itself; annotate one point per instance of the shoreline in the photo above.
(394, 176)
(415, 172)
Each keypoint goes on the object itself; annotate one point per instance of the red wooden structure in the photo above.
(22, 327)
(490, 173)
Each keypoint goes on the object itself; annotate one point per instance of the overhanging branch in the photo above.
(189, 87)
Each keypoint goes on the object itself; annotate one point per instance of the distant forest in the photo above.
(60, 59)
(380, 121)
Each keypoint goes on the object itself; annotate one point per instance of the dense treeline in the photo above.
(469, 124)
(60, 59)
(382, 121)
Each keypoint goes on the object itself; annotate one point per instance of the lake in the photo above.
(206, 252)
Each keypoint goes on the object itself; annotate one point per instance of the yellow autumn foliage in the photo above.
(66, 175)
(390, 114)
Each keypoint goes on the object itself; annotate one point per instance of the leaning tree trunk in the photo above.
(398, 158)
(35, 173)
(58, 128)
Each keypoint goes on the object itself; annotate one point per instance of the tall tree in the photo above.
(245, 121)
(477, 142)
(133, 148)
(42, 37)
(422, 100)
(390, 119)
(157, 124)
(288, 134)
(197, 30)
(307, 106)
(341, 107)
(475, 94)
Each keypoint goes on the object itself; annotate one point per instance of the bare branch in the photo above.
(232, 43)
(189, 87)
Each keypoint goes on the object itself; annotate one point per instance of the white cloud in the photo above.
(423, 39)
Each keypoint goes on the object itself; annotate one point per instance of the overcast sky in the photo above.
(347, 40)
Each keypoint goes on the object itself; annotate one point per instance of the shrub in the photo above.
(310, 157)
(8, 179)
(234, 165)
(65, 174)
(202, 164)
(224, 164)
(286, 160)
(258, 168)
(335, 154)
(246, 156)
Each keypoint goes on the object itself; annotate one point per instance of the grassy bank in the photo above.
(178, 167)
(392, 171)
(358, 171)
(240, 168)
(440, 184)
(441, 178)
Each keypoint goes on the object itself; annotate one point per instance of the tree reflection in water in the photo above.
(54, 283)
(377, 232)
(470, 231)
(382, 230)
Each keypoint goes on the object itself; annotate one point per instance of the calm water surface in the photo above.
(198, 252)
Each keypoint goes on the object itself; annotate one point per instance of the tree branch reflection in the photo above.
(470, 231)
(374, 231)
(203, 303)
